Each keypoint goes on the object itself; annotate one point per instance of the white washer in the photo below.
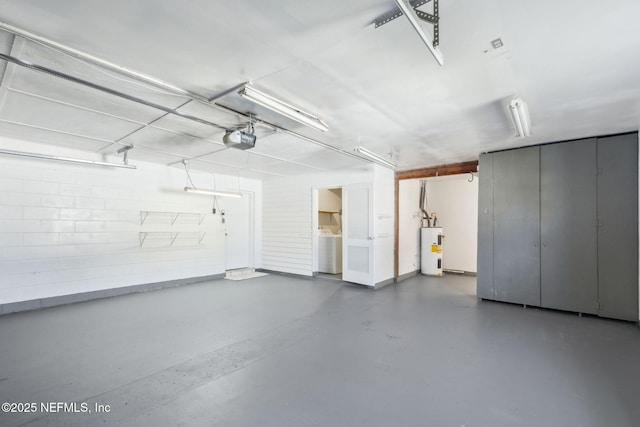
(329, 252)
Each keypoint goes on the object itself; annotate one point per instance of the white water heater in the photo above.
(431, 251)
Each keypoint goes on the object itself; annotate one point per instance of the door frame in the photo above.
(451, 169)
(315, 202)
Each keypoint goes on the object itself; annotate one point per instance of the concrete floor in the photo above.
(282, 351)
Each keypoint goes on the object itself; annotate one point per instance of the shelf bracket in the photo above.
(142, 236)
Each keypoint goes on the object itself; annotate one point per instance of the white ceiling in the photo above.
(575, 62)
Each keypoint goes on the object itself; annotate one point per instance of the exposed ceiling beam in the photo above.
(443, 170)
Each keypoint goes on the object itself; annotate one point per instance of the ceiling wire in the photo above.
(189, 180)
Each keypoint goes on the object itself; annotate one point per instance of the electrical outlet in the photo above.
(213, 211)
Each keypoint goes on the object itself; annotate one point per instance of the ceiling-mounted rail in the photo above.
(140, 77)
(105, 89)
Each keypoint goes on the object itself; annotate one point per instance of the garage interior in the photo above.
(215, 213)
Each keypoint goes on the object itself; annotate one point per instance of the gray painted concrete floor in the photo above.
(283, 351)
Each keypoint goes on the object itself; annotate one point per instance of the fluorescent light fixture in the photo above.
(212, 192)
(281, 107)
(408, 11)
(520, 117)
(65, 159)
(376, 158)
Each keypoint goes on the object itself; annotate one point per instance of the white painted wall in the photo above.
(409, 226)
(67, 228)
(290, 219)
(384, 223)
(455, 201)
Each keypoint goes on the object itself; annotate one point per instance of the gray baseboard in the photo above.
(384, 283)
(461, 272)
(407, 276)
(14, 307)
(282, 273)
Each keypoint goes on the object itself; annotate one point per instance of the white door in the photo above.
(357, 234)
(238, 231)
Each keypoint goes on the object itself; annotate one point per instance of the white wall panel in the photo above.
(288, 218)
(68, 228)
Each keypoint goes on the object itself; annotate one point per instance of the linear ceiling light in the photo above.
(410, 13)
(65, 159)
(212, 192)
(520, 117)
(281, 107)
(376, 158)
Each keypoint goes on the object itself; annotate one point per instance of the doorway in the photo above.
(329, 233)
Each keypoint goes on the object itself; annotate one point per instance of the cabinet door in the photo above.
(618, 230)
(516, 226)
(485, 227)
(569, 276)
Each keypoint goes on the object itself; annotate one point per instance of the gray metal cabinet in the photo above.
(558, 226)
(618, 227)
(485, 227)
(516, 226)
(568, 215)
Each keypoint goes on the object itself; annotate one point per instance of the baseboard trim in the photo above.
(460, 272)
(384, 283)
(284, 273)
(407, 276)
(15, 307)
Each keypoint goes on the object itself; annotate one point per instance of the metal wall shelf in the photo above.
(142, 236)
(172, 217)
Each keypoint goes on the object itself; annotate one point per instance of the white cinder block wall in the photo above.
(67, 228)
(288, 218)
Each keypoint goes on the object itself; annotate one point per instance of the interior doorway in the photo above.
(329, 233)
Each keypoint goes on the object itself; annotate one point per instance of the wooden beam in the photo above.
(443, 170)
